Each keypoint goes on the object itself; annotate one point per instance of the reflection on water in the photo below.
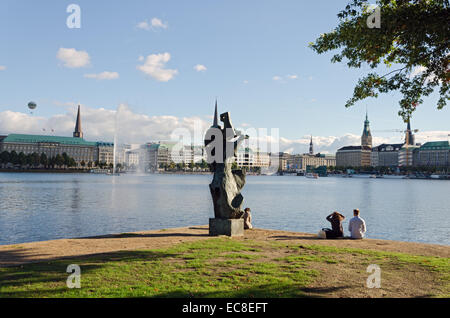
(35, 206)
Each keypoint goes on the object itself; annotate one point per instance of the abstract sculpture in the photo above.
(221, 145)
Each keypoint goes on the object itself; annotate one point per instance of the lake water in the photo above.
(39, 206)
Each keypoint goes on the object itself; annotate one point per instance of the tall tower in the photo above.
(311, 150)
(409, 137)
(216, 118)
(78, 133)
(366, 138)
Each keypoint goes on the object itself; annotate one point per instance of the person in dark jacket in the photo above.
(336, 230)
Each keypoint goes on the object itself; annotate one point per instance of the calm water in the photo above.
(36, 207)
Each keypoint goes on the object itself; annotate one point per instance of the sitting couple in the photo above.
(356, 226)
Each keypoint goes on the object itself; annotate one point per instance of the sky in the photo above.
(166, 62)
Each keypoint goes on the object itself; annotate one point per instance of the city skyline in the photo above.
(168, 68)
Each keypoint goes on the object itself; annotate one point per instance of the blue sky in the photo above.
(244, 45)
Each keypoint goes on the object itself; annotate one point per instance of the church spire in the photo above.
(311, 150)
(409, 137)
(78, 133)
(216, 117)
(366, 138)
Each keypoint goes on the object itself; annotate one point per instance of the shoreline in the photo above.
(42, 251)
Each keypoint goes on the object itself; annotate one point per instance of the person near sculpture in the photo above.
(357, 226)
(247, 219)
(336, 230)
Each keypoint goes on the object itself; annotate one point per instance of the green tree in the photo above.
(14, 157)
(5, 157)
(43, 160)
(66, 159)
(412, 41)
(72, 162)
(35, 159)
(21, 159)
(59, 160)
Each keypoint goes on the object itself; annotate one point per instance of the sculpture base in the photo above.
(229, 227)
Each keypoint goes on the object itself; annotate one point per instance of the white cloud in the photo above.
(153, 24)
(157, 23)
(200, 68)
(2, 67)
(154, 66)
(141, 58)
(245, 82)
(419, 70)
(103, 76)
(73, 58)
(287, 77)
(98, 124)
(143, 25)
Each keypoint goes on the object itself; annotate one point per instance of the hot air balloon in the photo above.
(31, 106)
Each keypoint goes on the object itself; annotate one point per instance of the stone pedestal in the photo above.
(229, 227)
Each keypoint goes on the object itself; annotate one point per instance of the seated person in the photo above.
(247, 219)
(336, 230)
(357, 226)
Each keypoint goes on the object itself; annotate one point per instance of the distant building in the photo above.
(301, 162)
(406, 153)
(157, 155)
(132, 158)
(250, 158)
(353, 156)
(366, 137)
(433, 154)
(78, 133)
(395, 155)
(105, 152)
(357, 156)
(280, 158)
(385, 155)
(76, 147)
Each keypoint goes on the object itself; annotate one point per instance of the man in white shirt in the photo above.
(357, 226)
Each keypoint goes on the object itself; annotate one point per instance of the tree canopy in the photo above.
(412, 40)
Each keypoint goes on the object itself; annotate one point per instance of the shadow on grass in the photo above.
(48, 279)
(261, 291)
(12, 257)
(34, 279)
(130, 235)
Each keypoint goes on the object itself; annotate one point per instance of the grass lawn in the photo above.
(224, 267)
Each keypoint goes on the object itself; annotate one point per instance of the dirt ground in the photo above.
(50, 250)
